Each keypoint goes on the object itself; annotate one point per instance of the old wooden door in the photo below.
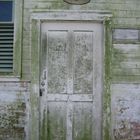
(71, 80)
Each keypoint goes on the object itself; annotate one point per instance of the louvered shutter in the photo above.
(6, 47)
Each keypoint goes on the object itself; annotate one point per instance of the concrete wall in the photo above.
(125, 71)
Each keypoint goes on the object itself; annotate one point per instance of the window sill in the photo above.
(9, 78)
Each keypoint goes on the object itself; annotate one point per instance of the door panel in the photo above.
(83, 65)
(70, 106)
(56, 121)
(57, 61)
(82, 121)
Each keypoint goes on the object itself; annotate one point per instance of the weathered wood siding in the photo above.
(126, 55)
(125, 72)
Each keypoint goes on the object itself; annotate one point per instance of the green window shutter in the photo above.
(6, 47)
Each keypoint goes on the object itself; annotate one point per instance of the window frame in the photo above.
(17, 42)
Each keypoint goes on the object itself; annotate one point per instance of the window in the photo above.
(6, 36)
(6, 8)
(11, 12)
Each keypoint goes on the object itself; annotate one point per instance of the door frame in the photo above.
(37, 18)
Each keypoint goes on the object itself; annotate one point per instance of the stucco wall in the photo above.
(14, 110)
(125, 71)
